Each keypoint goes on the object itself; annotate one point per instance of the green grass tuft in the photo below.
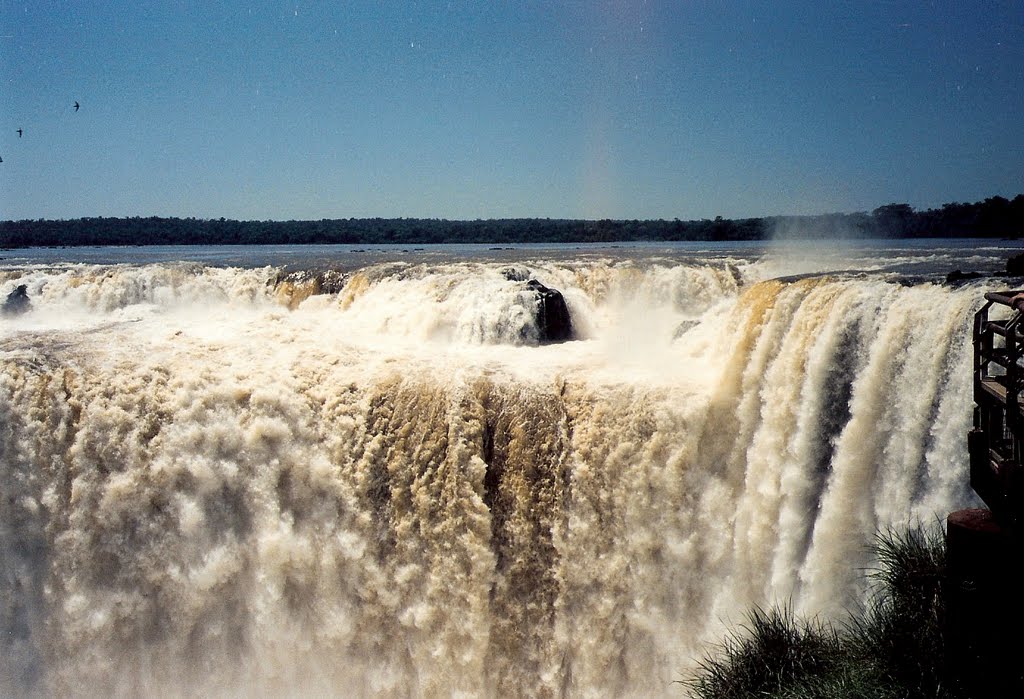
(772, 649)
(900, 632)
(891, 649)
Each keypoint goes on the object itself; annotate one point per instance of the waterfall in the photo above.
(243, 482)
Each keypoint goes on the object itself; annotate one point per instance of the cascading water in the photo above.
(229, 482)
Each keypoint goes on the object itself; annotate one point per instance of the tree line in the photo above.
(995, 217)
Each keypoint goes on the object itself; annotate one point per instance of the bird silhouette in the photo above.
(19, 133)
(76, 106)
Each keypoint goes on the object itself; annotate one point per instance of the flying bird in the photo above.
(76, 106)
(19, 133)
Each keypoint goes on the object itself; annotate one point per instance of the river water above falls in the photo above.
(363, 472)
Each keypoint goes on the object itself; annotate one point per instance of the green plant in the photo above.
(900, 631)
(893, 648)
(769, 652)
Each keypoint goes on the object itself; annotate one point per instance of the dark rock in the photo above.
(300, 285)
(516, 274)
(736, 274)
(17, 302)
(554, 323)
(958, 277)
(1015, 265)
(910, 280)
(684, 327)
(331, 282)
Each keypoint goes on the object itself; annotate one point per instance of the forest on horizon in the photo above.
(995, 217)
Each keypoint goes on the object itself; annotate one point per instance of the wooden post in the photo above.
(984, 605)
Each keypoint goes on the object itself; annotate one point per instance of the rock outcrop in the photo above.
(1015, 266)
(292, 288)
(554, 323)
(957, 277)
(17, 302)
(516, 274)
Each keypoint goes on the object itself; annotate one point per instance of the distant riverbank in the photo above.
(995, 217)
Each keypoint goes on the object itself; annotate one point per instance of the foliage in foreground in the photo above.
(892, 648)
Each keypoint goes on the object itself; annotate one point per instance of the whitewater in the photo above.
(359, 472)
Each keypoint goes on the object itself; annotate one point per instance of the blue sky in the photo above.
(625, 109)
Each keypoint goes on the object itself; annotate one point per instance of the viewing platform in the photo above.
(995, 443)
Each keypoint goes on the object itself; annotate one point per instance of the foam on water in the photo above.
(218, 481)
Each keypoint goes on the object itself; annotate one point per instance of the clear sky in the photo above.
(624, 109)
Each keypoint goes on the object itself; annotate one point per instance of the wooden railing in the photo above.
(997, 440)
